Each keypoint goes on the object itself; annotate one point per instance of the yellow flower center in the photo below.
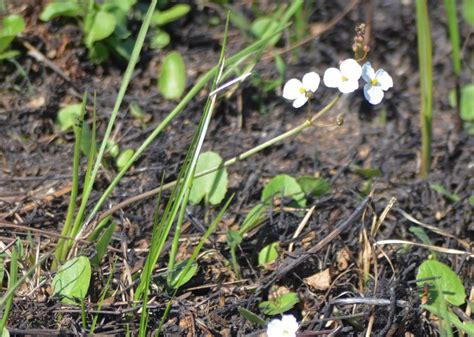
(344, 78)
(374, 81)
(302, 90)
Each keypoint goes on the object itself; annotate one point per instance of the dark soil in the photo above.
(36, 164)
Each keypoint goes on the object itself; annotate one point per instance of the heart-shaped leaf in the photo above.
(72, 280)
(172, 81)
(283, 185)
(211, 187)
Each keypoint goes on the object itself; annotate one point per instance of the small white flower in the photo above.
(299, 92)
(346, 78)
(377, 83)
(286, 327)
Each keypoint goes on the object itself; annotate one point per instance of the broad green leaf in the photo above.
(174, 13)
(314, 186)
(172, 81)
(447, 282)
(175, 281)
(121, 47)
(268, 254)
(102, 27)
(5, 42)
(467, 327)
(12, 25)
(265, 25)
(123, 5)
(283, 185)
(211, 187)
(56, 9)
(442, 190)
(467, 102)
(5, 333)
(468, 11)
(250, 316)
(279, 304)
(67, 116)
(123, 158)
(160, 39)
(72, 280)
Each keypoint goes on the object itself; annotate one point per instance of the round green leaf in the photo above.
(12, 25)
(268, 254)
(279, 305)
(160, 39)
(124, 157)
(56, 9)
(161, 18)
(72, 280)
(446, 283)
(67, 116)
(103, 26)
(283, 184)
(213, 186)
(172, 81)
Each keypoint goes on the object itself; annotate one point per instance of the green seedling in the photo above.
(212, 187)
(12, 26)
(268, 254)
(314, 186)
(159, 37)
(72, 280)
(444, 192)
(279, 304)
(283, 186)
(104, 25)
(444, 289)
(141, 117)
(172, 79)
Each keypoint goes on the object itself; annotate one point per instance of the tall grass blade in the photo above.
(425, 69)
(11, 283)
(453, 30)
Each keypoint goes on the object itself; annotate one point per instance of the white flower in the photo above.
(377, 83)
(346, 78)
(299, 92)
(286, 327)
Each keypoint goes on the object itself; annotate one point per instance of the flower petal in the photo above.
(351, 69)
(300, 101)
(332, 78)
(274, 328)
(290, 324)
(348, 86)
(368, 73)
(291, 90)
(373, 94)
(311, 81)
(384, 79)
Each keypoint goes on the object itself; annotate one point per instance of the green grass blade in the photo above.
(425, 69)
(453, 30)
(66, 231)
(11, 283)
(123, 87)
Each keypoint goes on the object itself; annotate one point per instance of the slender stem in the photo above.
(306, 124)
